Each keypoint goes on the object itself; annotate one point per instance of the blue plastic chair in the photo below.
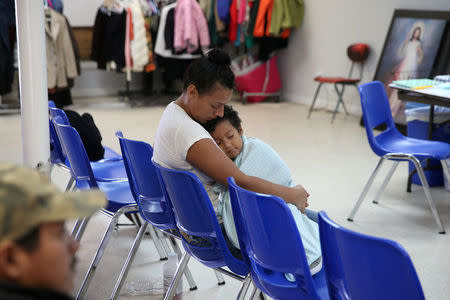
(196, 220)
(118, 194)
(271, 243)
(153, 206)
(103, 170)
(359, 266)
(109, 153)
(392, 145)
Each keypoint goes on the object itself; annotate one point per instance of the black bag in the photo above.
(89, 133)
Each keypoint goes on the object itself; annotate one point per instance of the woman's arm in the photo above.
(209, 159)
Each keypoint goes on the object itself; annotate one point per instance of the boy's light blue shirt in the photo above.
(260, 160)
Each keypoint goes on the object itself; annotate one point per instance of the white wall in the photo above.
(81, 12)
(319, 45)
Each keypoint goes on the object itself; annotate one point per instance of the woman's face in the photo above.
(209, 105)
(228, 138)
(416, 34)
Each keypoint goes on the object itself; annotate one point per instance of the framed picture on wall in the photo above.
(414, 48)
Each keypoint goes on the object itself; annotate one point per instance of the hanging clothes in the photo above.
(56, 5)
(108, 41)
(160, 44)
(61, 63)
(191, 29)
(286, 14)
(223, 9)
(139, 48)
(207, 6)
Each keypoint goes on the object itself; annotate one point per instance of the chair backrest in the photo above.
(51, 104)
(56, 152)
(358, 53)
(56, 112)
(144, 183)
(80, 166)
(196, 220)
(272, 244)
(370, 267)
(376, 111)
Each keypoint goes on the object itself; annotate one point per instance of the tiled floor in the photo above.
(333, 161)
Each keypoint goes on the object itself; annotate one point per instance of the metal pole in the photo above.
(33, 82)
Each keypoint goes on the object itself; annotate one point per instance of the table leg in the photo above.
(431, 122)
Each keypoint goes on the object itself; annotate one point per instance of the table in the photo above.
(431, 96)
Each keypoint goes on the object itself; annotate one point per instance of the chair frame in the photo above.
(246, 280)
(237, 196)
(164, 230)
(340, 91)
(81, 224)
(335, 239)
(397, 158)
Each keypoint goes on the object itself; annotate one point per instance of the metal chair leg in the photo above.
(176, 279)
(244, 287)
(81, 229)
(163, 238)
(70, 184)
(366, 189)
(76, 227)
(314, 100)
(255, 294)
(385, 182)
(50, 169)
(445, 170)
(129, 261)
(187, 272)
(101, 248)
(219, 276)
(426, 189)
(157, 243)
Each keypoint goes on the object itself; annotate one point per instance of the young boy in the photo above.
(256, 158)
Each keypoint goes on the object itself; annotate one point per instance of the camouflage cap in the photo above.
(28, 199)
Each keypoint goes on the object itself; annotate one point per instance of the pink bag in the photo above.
(259, 80)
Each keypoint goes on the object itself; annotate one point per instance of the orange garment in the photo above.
(262, 23)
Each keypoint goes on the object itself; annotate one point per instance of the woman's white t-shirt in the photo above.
(176, 133)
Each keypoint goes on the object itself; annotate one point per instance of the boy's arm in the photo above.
(209, 159)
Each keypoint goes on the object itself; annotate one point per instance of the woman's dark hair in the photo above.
(213, 68)
(30, 240)
(414, 33)
(228, 114)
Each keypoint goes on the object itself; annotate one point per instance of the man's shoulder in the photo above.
(11, 291)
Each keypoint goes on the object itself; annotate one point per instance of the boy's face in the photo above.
(228, 138)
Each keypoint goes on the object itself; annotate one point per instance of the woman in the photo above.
(182, 143)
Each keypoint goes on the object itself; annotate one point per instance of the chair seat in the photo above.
(394, 142)
(111, 154)
(109, 170)
(340, 80)
(279, 285)
(151, 210)
(117, 193)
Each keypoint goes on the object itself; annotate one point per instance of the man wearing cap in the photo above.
(37, 255)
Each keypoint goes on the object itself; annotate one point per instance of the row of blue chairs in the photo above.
(112, 180)
(356, 266)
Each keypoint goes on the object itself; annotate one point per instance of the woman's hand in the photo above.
(300, 198)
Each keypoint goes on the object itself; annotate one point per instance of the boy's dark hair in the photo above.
(213, 68)
(29, 241)
(228, 114)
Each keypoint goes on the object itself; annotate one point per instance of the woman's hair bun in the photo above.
(218, 57)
